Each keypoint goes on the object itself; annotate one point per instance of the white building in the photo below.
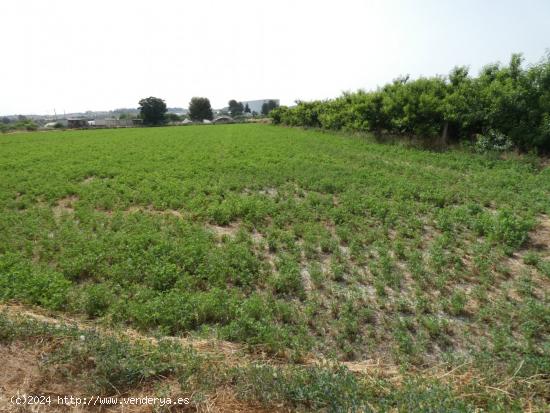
(256, 105)
(114, 123)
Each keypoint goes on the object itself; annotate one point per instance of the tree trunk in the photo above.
(445, 134)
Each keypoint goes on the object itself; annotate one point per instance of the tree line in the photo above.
(504, 106)
(153, 110)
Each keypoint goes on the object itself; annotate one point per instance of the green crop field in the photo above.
(323, 271)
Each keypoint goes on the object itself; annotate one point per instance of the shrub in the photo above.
(492, 141)
(288, 281)
(511, 229)
(96, 299)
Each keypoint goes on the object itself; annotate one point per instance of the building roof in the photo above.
(223, 117)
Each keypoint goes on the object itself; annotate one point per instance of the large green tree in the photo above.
(152, 110)
(235, 108)
(200, 109)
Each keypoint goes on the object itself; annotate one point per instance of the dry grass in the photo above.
(26, 374)
(64, 206)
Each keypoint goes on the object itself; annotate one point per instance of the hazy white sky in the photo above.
(78, 55)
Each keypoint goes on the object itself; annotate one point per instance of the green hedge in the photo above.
(510, 100)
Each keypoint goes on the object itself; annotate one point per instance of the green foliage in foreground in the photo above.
(510, 101)
(291, 242)
(113, 364)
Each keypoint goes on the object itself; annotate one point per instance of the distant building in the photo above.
(62, 123)
(223, 119)
(115, 123)
(256, 105)
(77, 123)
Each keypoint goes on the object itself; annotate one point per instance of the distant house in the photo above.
(115, 123)
(51, 124)
(223, 119)
(77, 123)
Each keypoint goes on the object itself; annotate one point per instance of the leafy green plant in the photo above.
(493, 141)
(97, 299)
(288, 279)
(457, 303)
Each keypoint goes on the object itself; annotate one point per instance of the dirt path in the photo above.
(232, 353)
(23, 372)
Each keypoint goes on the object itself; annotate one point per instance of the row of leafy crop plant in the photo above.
(504, 106)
